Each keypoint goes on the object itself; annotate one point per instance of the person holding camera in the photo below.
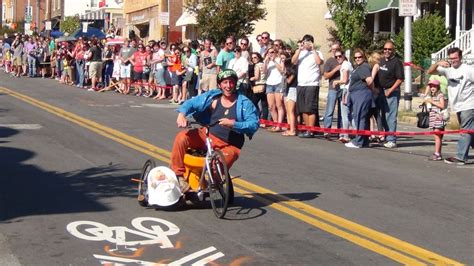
(309, 75)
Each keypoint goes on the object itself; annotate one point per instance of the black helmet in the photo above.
(225, 74)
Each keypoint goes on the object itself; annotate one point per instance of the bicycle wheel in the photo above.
(219, 183)
(143, 185)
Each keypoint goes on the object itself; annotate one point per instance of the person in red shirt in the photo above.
(140, 62)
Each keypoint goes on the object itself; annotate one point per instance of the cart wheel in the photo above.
(143, 184)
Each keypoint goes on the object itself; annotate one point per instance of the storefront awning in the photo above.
(187, 18)
(375, 6)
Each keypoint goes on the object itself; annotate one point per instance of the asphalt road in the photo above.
(66, 198)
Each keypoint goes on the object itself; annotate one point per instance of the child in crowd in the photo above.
(435, 102)
(65, 78)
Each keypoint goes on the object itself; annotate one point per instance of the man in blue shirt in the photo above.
(235, 114)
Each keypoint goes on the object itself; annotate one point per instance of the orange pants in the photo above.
(196, 139)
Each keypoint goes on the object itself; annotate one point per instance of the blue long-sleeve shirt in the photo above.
(199, 107)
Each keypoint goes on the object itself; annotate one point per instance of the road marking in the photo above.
(22, 126)
(360, 235)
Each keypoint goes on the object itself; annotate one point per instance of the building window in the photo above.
(4, 12)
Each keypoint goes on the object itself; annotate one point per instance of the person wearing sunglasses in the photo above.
(359, 100)
(461, 99)
(341, 85)
(225, 55)
(390, 76)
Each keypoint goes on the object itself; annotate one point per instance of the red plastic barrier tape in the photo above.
(364, 132)
(153, 85)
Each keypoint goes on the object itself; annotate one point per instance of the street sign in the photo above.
(165, 18)
(407, 8)
(47, 25)
(28, 13)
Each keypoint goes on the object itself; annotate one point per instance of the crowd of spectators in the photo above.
(282, 81)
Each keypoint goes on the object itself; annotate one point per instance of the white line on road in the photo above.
(208, 259)
(22, 126)
(192, 256)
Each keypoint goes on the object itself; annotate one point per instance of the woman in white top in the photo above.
(275, 72)
(343, 84)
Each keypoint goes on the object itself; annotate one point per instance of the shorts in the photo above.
(140, 76)
(308, 99)
(189, 76)
(208, 82)
(125, 71)
(159, 77)
(95, 70)
(291, 96)
(17, 60)
(172, 78)
(274, 88)
(24, 59)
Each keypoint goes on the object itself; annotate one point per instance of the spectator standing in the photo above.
(258, 85)
(435, 102)
(241, 66)
(245, 46)
(108, 62)
(360, 98)
(332, 73)
(265, 43)
(31, 51)
(44, 57)
(390, 76)
(275, 69)
(308, 61)
(208, 67)
(78, 54)
(95, 67)
(139, 62)
(461, 99)
(126, 68)
(225, 55)
(342, 86)
(157, 61)
(189, 64)
(18, 48)
(290, 96)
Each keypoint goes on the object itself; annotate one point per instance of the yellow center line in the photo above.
(301, 211)
(392, 254)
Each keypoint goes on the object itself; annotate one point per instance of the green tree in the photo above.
(349, 17)
(220, 18)
(70, 24)
(428, 36)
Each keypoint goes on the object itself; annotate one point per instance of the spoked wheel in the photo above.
(219, 184)
(143, 184)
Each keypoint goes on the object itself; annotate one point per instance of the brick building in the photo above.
(142, 18)
(15, 11)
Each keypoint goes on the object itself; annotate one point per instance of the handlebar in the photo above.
(190, 123)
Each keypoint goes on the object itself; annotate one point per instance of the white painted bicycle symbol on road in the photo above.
(150, 230)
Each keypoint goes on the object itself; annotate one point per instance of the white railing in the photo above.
(465, 42)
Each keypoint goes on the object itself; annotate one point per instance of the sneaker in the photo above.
(91, 89)
(351, 145)
(390, 145)
(454, 160)
(183, 185)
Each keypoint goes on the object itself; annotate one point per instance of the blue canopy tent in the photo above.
(91, 32)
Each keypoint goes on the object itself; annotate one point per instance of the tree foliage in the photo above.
(220, 18)
(70, 24)
(349, 17)
(429, 35)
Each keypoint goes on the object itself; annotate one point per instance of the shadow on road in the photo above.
(27, 190)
